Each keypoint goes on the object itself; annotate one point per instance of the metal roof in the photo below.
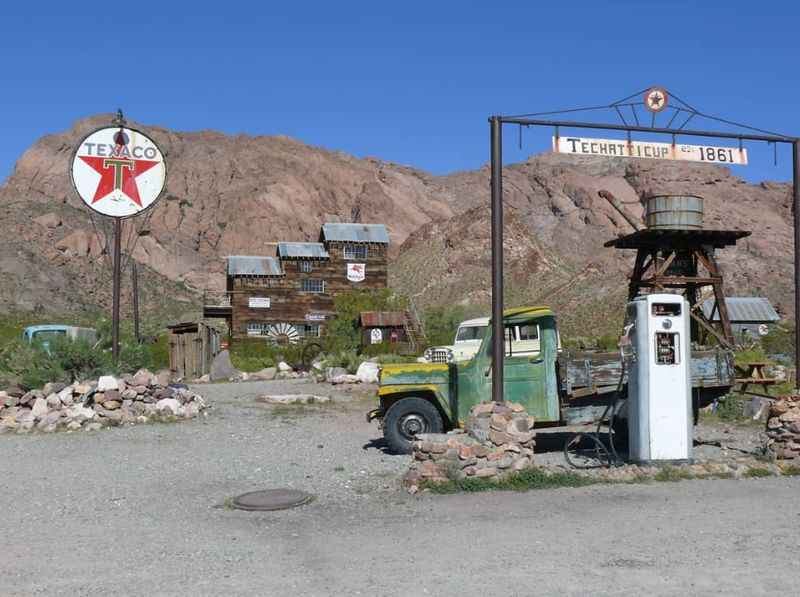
(302, 250)
(380, 319)
(248, 265)
(357, 233)
(743, 309)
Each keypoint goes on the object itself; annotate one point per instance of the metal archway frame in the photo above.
(496, 142)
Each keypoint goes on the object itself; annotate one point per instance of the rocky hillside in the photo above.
(556, 226)
(239, 194)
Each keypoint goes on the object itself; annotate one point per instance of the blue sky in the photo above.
(410, 82)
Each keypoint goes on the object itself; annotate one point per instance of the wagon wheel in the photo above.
(283, 334)
(310, 352)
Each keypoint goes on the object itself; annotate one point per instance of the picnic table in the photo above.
(753, 374)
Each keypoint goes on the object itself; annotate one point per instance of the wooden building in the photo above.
(289, 296)
(383, 327)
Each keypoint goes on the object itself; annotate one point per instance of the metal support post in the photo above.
(796, 206)
(498, 336)
(116, 289)
(135, 284)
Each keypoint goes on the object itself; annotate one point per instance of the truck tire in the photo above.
(407, 418)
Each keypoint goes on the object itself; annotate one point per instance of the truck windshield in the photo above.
(46, 335)
(470, 333)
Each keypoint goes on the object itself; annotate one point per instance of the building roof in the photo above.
(654, 238)
(356, 233)
(302, 250)
(744, 309)
(380, 319)
(248, 265)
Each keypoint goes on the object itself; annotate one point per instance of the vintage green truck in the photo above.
(556, 387)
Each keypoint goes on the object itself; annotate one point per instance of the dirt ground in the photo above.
(142, 511)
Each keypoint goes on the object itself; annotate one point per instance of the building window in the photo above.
(309, 330)
(306, 267)
(310, 285)
(256, 329)
(355, 251)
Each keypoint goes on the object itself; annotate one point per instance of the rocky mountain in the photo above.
(240, 194)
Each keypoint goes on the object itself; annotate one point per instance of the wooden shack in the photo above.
(383, 327)
(288, 297)
(192, 348)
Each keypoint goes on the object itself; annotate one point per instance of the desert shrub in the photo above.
(343, 332)
(159, 351)
(731, 407)
(608, 342)
(779, 341)
(346, 359)
(441, 324)
(252, 354)
(80, 360)
(29, 366)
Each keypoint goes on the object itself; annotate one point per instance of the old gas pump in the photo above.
(659, 405)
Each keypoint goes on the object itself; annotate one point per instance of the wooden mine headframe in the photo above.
(684, 260)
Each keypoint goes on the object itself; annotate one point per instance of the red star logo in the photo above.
(118, 173)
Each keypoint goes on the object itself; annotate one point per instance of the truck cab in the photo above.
(432, 397)
(44, 334)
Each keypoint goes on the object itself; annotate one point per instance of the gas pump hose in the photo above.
(610, 455)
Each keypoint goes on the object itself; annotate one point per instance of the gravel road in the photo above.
(141, 511)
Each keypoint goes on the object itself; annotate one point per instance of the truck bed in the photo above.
(587, 374)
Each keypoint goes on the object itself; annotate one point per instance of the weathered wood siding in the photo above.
(288, 302)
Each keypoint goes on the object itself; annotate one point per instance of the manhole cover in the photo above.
(271, 499)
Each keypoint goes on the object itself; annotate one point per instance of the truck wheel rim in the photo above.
(411, 425)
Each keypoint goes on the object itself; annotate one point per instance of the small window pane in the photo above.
(355, 251)
(317, 286)
(306, 267)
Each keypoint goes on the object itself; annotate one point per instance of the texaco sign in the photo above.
(118, 171)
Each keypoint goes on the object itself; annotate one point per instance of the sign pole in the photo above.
(498, 339)
(116, 288)
(135, 280)
(118, 172)
(796, 206)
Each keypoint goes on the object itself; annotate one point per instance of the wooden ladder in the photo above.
(413, 327)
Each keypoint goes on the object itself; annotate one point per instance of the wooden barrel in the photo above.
(674, 212)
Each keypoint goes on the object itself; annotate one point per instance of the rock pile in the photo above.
(91, 405)
(783, 428)
(498, 440)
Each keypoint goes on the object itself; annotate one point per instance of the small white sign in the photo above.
(619, 148)
(763, 329)
(376, 336)
(356, 272)
(315, 317)
(118, 171)
(259, 302)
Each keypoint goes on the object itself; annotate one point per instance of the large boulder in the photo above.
(221, 367)
(265, 374)
(40, 408)
(169, 406)
(106, 383)
(332, 373)
(368, 372)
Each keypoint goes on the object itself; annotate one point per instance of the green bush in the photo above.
(80, 360)
(159, 352)
(29, 366)
(441, 324)
(252, 354)
(347, 359)
(780, 340)
(343, 332)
